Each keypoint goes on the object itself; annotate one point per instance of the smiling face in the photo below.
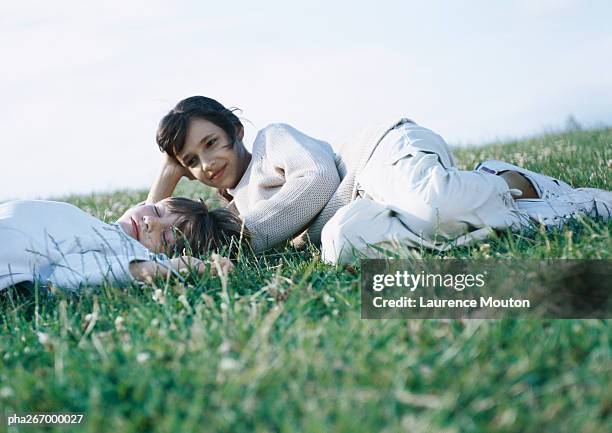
(210, 157)
(150, 224)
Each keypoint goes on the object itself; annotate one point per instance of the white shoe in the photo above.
(556, 211)
(547, 187)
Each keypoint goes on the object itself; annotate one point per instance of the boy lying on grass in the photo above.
(58, 243)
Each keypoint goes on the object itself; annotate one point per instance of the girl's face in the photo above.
(151, 225)
(210, 157)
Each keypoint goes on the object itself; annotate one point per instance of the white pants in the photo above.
(413, 196)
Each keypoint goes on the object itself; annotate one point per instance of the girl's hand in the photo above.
(173, 166)
(167, 179)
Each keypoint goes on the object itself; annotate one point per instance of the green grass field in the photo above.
(280, 346)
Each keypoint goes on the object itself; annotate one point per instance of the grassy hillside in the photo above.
(280, 346)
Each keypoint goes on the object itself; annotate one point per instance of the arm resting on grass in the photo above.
(94, 268)
(146, 271)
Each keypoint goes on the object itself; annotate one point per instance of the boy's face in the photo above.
(151, 225)
(209, 156)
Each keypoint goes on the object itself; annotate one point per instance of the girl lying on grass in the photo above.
(395, 182)
(58, 243)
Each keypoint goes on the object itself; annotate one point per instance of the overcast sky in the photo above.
(83, 85)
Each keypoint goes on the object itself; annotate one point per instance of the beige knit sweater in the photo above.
(296, 183)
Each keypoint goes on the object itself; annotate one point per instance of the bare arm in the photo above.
(167, 179)
(146, 271)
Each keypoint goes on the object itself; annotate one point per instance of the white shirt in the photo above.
(58, 243)
(290, 178)
(296, 183)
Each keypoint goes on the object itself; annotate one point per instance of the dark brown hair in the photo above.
(199, 231)
(172, 129)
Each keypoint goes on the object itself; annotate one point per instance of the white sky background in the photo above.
(84, 85)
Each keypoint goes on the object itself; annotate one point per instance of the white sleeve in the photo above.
(92, 268)
(311, 178)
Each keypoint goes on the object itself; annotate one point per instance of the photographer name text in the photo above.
(457, 282)
(420, 302)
